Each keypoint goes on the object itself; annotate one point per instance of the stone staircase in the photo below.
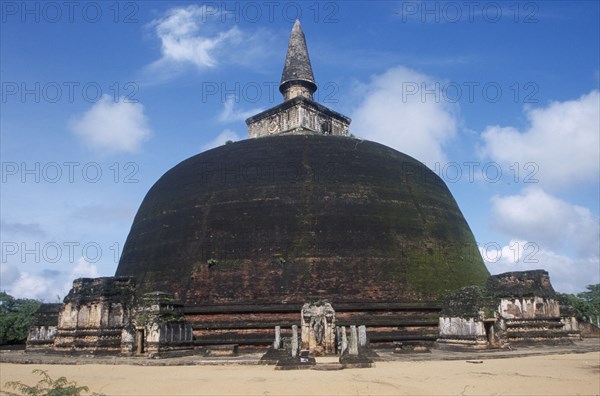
(549, 330)
(91, 340)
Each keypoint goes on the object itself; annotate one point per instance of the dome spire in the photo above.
(297, 78)
(299, 113)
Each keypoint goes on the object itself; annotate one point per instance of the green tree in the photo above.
(592, 295)
(592, 299)
(16, 315)
(587, 303)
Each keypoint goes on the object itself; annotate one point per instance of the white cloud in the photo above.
(44, 286)
(181, 42)
(8, 275)
(47, 285)
(568, 275)
(396, 111)
(194, 35)
(83, 269)
(229, 114)
(563, 139)
(538, 216)
(220, 140)
(110, 126)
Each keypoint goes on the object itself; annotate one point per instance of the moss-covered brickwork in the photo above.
(297, 218)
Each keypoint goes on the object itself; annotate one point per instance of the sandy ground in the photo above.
(570, 374)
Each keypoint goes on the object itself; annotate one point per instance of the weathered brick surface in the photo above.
(394, 323)
(291, 219)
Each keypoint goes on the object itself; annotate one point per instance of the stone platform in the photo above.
(253, 357)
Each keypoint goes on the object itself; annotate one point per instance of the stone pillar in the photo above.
(294, 341)
(312, 338)
(362, 338)
(353, 347)
(344, 347)
(305, 333)
(329, 339)
(277, 342)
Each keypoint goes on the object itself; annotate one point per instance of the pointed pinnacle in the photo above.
(297, 67)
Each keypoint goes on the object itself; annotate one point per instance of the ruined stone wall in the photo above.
(570, 324)
(94, 314)
(514, 307)
(533, 319)
(44, 327)
(461, 328)
(41, 336)
(529, 308)
(168, 336)
(100, 314)
(158, 325)
(462, 332)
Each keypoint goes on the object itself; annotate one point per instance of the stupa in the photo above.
(301, 224)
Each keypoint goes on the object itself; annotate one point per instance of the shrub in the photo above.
(47, 387)
(212, 262)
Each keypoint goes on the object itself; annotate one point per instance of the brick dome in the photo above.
(287, 219)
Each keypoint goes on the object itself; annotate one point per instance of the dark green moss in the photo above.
(468, 301)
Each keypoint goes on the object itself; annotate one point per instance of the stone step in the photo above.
(327, 359)
(534, 324)
(536, 334)
(266, 338)
(328, 366)
(373, 321)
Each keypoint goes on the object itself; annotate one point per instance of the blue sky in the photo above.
(99, 99)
